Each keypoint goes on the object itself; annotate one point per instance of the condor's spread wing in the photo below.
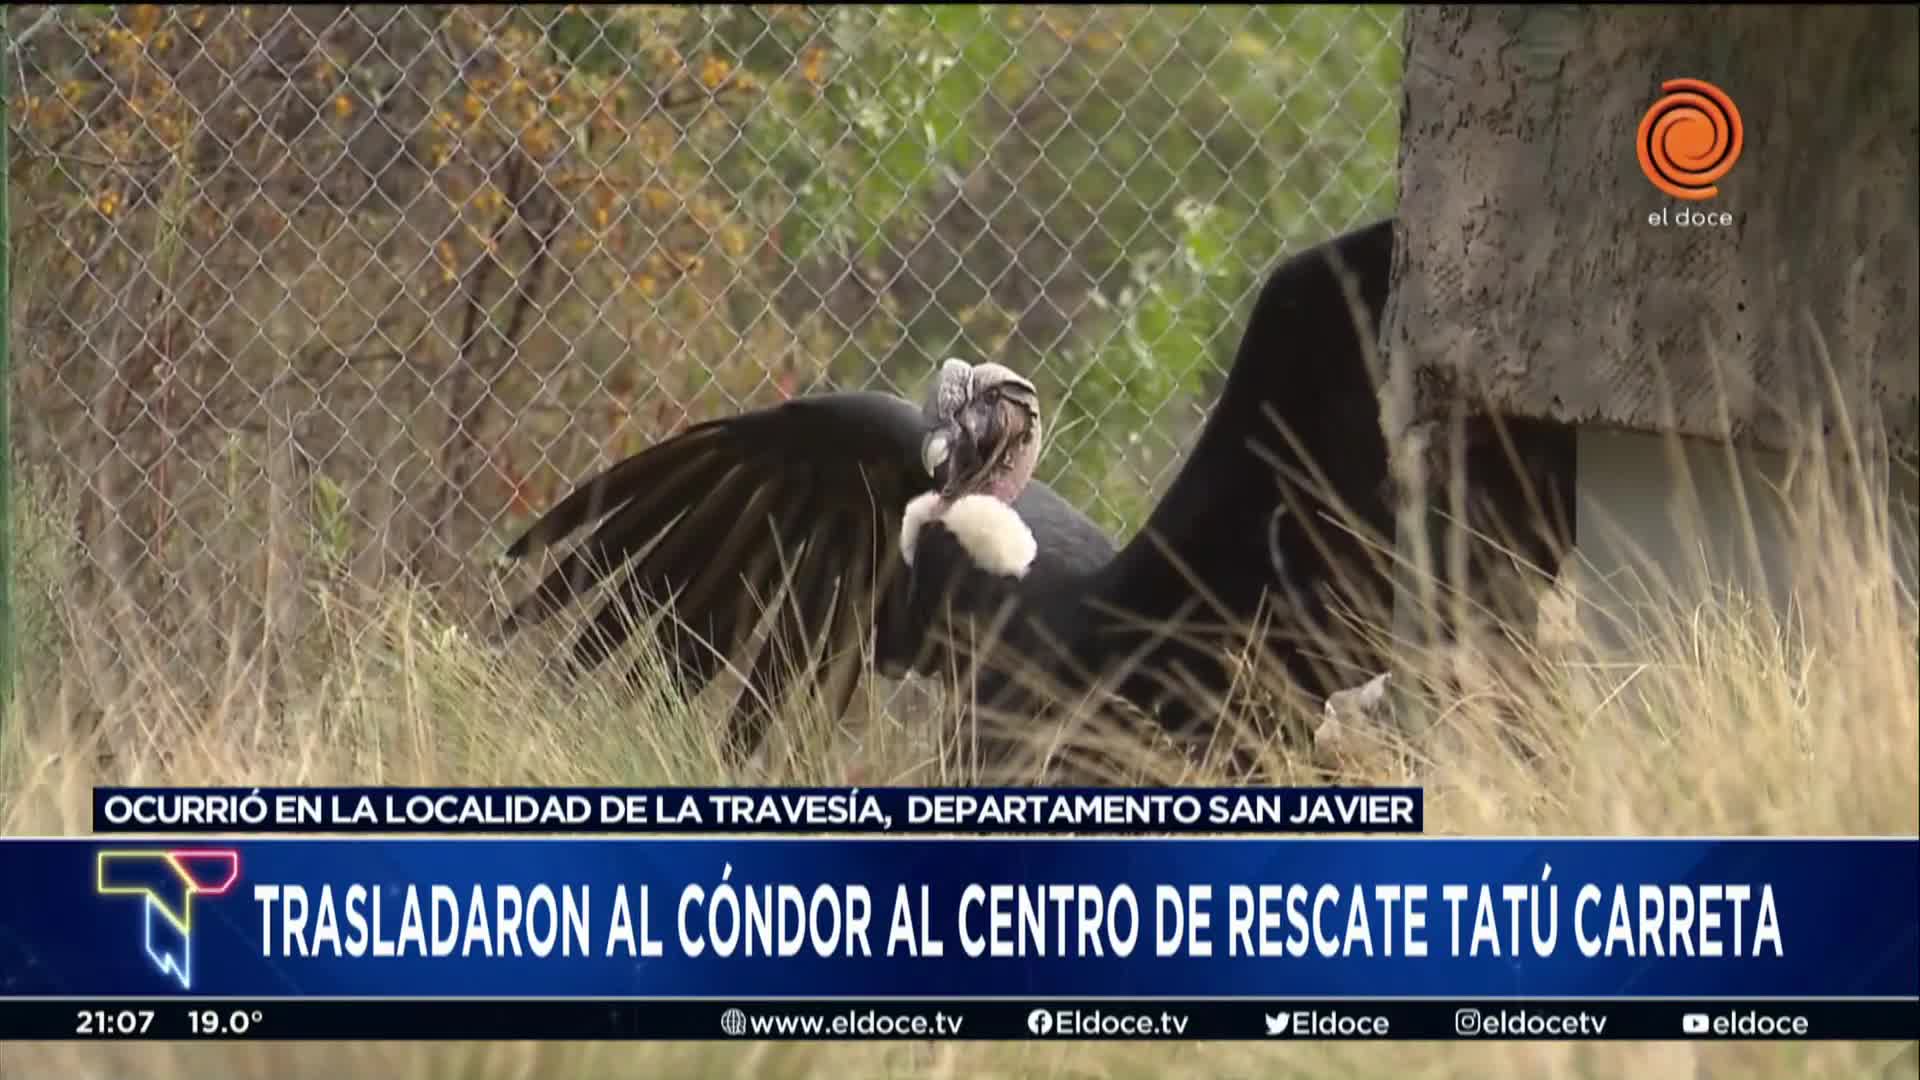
(792, 512)
(1291, 455)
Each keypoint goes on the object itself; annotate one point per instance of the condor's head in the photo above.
(984, 431)
(982, 441)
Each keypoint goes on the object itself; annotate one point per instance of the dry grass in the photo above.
(1721, 720)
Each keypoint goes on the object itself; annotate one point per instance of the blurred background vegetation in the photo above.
(339, 293)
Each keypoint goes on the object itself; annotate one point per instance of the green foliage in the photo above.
(1165, 322)
(652, 214)
(332, 521)
(592, 40)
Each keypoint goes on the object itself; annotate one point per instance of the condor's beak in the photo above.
(936, 454)
(959, 454)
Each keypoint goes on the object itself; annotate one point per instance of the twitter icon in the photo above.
(1278, 1025)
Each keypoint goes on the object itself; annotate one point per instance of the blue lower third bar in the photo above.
(666, 918)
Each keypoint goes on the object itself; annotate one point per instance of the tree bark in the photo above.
(1529, 282)
(1539, 296)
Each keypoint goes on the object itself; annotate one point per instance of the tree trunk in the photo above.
(1530, 282)
(1536, 289)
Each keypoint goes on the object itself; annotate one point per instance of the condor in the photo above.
(917, 534)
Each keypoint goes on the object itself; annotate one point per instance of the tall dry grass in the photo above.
(1721, 716)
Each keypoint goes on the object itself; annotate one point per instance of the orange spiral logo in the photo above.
(1690, 139)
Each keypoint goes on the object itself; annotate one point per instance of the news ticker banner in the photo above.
(1091, 1018)
(788, 811)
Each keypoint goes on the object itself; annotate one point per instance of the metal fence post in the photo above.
(6, 379)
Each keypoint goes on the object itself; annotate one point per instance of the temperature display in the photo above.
(234, 1022)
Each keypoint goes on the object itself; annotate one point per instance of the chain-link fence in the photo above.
(313, 299)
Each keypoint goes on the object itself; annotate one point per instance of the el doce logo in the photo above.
(1690, 138)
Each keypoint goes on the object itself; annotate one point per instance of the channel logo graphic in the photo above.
(1690, 138)
(167, 881)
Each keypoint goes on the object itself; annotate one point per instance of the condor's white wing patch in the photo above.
(991, 532)
(920, 510)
